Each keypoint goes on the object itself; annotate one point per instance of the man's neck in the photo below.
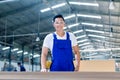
(60, 33)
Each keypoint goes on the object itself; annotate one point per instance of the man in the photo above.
(22, 68)
(61, 44)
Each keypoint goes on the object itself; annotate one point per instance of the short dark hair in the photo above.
(58, 16)
(19, 63)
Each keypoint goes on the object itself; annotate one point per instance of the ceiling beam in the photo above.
(18, 10)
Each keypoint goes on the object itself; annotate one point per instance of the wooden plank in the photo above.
(59, 76)
(94, 65)
(97, 66)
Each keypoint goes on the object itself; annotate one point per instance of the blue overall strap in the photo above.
(68, 36)
(54, 35)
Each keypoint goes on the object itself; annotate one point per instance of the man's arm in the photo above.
(43, 58)
(77, 57)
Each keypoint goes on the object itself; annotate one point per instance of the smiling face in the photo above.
(59, 24)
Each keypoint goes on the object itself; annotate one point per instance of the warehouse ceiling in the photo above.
(95, 23)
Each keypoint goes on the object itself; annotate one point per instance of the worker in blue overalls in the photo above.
(63, 46)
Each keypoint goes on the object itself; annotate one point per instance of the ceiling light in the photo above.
(25, 52)
(15, 49)
(96, 40)
(78, 37)
(68, 17)
(96, 31)
(86, 4)
(45, 10)
(81, 41)
(53, 7)
(105, 49)
(36, 55)
(82, 15)
(20, 51)
(91, 24)
(37, 39)
(94, 50)
(75, 32)
(5, 48)
(70, 26)
(87, 47)
(87, 43)
(111, 5)
(111, 34)
(58, 5)
(2, 1)
(92, 35)
(90, 16)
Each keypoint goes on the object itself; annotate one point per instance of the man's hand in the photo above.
(76, 68)
(43, 70)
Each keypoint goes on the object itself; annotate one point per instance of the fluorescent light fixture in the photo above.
(78, 37)
(81, 41)
(82, 15)
(15, 49)
(25, 52)
(9, 0)
(5, 48)
(2, 1)
(79, 31)
(91, 24)
(70, 26)
(53, 7)
(68, 17)
(99, 25)
(36, 55)
(87, 46)
(94, 50)
(45, 10)
(104, 49)
(90, 16)
(111, 34)
(91, 35)
(87, 43)
(101, 32)
(115, 48)
(111, 6)
(85, 4)
(20, 51)
(96, 40)
(58, 5)
(37, 39)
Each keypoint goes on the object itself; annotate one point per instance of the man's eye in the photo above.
(58, 22)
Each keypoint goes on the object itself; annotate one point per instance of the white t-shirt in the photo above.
(48, 41)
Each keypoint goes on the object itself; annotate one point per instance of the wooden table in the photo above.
(59, 76)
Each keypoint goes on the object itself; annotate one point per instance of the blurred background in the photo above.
(25, 23)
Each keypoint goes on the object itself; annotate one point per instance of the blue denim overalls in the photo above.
(62, 55)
